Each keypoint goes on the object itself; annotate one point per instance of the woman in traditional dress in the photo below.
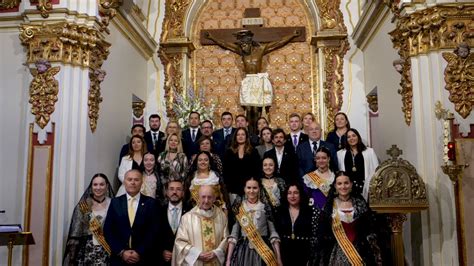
(134, 160)
(241, 161)
(346, 230)
(203, 173)
(86, 244)
(318, 182)
(151, 185)
(254, 240)
(273, 187)
(172, 161)
(296, 223)
(338, 136)
(358, 161)
(266, 140)
(308, 118)
(205, 144)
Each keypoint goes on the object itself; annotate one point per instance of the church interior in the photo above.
(76, 75)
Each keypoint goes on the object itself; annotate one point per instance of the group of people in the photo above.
(231, 196)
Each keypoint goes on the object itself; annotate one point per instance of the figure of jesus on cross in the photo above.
(256, 90)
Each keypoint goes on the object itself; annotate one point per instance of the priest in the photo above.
(202, 235)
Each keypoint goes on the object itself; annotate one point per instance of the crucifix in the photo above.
(253, 42)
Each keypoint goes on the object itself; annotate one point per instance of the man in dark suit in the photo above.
(137, 129)
(154, 138)
(285, 158)
(222, 137)
(191, 135)
(306, 150)
(169, 218)
(296, 136)
(130, 226)
(241, 121)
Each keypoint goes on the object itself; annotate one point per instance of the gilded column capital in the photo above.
(428, 30)
(173, 23)
(107, 11)
(64, 42)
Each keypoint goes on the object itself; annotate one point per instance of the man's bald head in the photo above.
(314, 131)
(207, 197)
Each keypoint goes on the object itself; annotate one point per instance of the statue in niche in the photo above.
(256, 91)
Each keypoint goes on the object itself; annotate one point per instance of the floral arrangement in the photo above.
(191, 101)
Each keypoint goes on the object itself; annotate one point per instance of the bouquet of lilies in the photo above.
(191, 101)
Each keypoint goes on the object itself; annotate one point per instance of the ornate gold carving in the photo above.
(333, 85)
(396, 221)
(44, 6)
(331, 15)
(64, 42)
(43, 91)
(95, 98)
(459, 77)
(173, 76)
(138, 108)
(173, 23)
(431, 29)
(396, 186)
(8, 4)
(108, 10)
(372, 100)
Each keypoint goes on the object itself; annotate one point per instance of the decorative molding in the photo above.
(396, 187)
(43, 91)
(428, 30)
(64, 42)
(173, 23)
(95, 98)
(44, 6)
(134, 30)
(459, 78)
(372, 16)
(9, 4)
(331, 15)
(107, 11)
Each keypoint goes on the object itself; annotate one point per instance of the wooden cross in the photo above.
(261, 34)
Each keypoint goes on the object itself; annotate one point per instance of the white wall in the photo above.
(13, 133)
(126, 75)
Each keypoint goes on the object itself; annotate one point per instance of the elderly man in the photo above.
(202, 235)
(130, 226)
(307, 150)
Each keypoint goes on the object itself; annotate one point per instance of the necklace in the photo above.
(343, 200)
(98, 201)
(293, 218)
(354, 168)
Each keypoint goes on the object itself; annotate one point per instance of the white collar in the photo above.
(179, 206)
(297, 133)
(137, 197)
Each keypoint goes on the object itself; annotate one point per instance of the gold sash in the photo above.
(208, 236)
(95, 227)
(344, 242)
(252, 234)
(318, 181)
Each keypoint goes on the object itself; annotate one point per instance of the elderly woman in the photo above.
(346, 230)
(85, 243)
(173, 161)
(203, 173)
(134, 160)
(254, 240)
(358, 161)
(338, 136)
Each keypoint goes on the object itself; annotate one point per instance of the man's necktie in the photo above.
(174, 219)
(193, 134)
(295, 140)
(155, 139)
(131, 217)
(315, 147)
(226, 133)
